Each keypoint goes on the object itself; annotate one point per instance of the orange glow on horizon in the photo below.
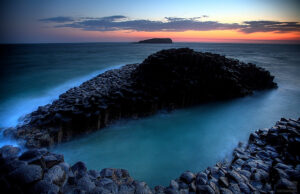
(233, 36)
(215, 36)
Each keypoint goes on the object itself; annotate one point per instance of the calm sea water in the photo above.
(158, 148)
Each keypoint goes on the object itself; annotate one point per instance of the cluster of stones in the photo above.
(39, 171)
(269, 163)
(168, 79)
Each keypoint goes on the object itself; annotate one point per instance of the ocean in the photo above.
(158, 148)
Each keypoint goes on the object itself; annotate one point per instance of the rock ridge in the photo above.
(168, 79)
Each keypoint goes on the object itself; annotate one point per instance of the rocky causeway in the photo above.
(166, 80)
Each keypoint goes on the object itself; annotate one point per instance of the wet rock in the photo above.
(130, 189)
(214, 187)
(174, 185)
(171, 191)
(233, 175)
(223, 181)
(225, 191)
(142, 188)
(14, 164)
(104, 181)
(183, 185)
(216, 172)
(79, 169)
(94, 174)
(192, 187)
(284, 185)
(27, 174)
(246, 173)
(85, 184)
(32, 154)
(205, 189)
(51, 160)
(107, 172)
(244, 188)
(101, 190)
(44, 187)
(260, 175)
(201, 178)
(187, 177)
(55, 175)
(9, 152)
(65, 167)
(234, 188)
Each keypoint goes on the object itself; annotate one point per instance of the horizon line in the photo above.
(289, 42)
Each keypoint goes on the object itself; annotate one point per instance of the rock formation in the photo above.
(168, 79)
(157, 41)
(269, 163)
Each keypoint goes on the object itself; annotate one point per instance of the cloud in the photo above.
(59, 19)
(170, 24)
(270, 26)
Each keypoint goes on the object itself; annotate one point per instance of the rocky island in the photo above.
(268, 163)
(157, 41)
(168, 79)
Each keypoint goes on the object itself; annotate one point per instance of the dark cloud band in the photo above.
(58, 19)
(171, 24)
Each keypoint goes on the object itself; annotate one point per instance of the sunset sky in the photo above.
(41, 21)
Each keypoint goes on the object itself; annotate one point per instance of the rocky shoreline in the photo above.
(168, 79)
(268, 163)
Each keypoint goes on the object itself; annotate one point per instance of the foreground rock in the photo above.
(157, 41)
(269, 163)
(168, 79)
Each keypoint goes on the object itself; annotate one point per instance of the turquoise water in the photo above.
(158, 148)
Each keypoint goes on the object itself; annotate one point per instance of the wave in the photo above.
(12, 112)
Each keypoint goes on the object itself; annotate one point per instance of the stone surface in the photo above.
(55, 175)
(45, 187)
(187, 177)
(9, 152)
(27, 174)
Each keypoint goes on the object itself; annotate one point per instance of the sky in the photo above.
(55, 21)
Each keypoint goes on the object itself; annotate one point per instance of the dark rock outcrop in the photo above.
(261, 166)
(168, 79)
(157, 41)
(29, 176)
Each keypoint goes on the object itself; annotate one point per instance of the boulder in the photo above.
(27, 174)
(44, 187)
(85, 183)
(223, 181)
(55, 175)
(205, 189)
(79, 169)
(284, 185)
(187, 177)
(9, 152)
(142, 188)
